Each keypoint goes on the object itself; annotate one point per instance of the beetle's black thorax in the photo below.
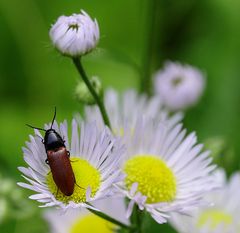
(52, 140)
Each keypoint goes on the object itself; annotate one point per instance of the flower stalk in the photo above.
(110, 219)
(145, 83)
(97, 98)
(136, 220)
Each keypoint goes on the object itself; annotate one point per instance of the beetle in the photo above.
(58, 158)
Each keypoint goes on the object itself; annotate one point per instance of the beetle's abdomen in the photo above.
(61, 169)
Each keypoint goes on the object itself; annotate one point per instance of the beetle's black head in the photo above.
(52, 140)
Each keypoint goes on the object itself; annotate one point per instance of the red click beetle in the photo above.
(58, 159)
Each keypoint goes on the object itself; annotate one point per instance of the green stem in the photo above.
(137, 219)
(145, 85)
(110, 219)
(78, 64)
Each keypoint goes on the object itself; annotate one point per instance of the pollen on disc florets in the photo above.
(155, 180)
(214, 218)
(92, 223)
(85, 176)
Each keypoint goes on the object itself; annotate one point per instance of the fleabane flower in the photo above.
(179, 86)
(165, 170)
(125, 108)
(94, 157)
(76, 220)
(75, 35)
(220, 217)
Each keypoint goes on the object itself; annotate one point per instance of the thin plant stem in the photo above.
(137, 219)
(97, 98)
(145, 84)
(110, 219)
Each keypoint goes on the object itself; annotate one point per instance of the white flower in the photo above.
(76, 220)
(165, 170)
(94, 157)
(75, 35)
(220, 217)
(124, 109)
(179, 86)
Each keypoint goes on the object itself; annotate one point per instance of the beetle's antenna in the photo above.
(55, 113)
(33, 127)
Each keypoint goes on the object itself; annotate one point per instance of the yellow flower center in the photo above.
(85, 176)
(155, 180)
(92, 223)
(213, 218)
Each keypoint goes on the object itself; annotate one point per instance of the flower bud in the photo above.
(83, 95)
(222, 153)
(75, 35)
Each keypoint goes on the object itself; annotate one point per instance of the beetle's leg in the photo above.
(46, 161)
(42, 140)
(77, 184)
(68, 153)
(57, 192)
(72, 161)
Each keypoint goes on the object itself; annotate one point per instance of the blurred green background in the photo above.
(34, 77)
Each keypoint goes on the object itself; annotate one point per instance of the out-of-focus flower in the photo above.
(166, 171)
(12, 202)
(179, 86)
(76, 220)
(222, 216)
(83, 95)
(95, 157)
(124, 109)
(75, 35)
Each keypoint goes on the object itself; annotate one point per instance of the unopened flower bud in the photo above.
(75, 35)
(83, 95)
(222, 153)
